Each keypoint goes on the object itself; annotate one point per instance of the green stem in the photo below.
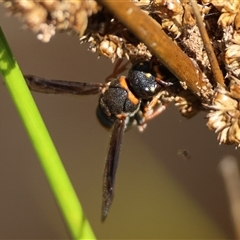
(52, 166)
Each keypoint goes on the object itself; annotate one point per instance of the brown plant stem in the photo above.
(217, 73)
(149, 32)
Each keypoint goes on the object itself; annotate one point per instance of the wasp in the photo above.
(123, 101)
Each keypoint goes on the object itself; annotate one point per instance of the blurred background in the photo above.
(159, 194)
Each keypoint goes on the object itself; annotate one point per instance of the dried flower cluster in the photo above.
(224, 116)
(108, 37)
(46, 16)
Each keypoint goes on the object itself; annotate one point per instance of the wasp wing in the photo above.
(111, 165)
(51, 86)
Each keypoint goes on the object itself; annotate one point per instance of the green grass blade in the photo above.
(43, 145)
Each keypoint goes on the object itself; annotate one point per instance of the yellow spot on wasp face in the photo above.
(148, 75)
(152, 89)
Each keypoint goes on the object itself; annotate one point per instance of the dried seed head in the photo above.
(231, 39)
(189, 105)
(46, 16)
(105, 34)
(229, 10)
(108, 47)
(170, 14)
(224, 116)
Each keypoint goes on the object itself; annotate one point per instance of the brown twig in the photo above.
(150, 33)
(217, 73)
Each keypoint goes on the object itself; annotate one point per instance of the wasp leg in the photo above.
(150, 115)
(153, 113)
(151, 110)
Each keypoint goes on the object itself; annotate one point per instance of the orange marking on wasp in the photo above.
(131, 97)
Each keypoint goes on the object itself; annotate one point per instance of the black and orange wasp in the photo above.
(123, 102)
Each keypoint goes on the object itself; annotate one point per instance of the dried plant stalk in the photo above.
(167, 30)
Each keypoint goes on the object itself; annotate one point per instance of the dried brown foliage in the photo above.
(109, 37)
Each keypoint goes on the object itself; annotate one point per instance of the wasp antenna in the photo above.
(217, 73)
(118, 69)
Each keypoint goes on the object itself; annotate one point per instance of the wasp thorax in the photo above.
(117, 101)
